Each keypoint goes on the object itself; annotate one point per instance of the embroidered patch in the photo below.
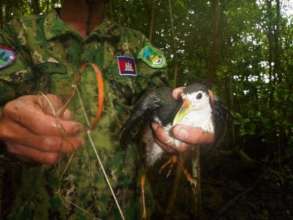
(152, 57)
(126, 66)
(7, 56)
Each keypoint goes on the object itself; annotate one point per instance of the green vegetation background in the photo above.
(244, 50)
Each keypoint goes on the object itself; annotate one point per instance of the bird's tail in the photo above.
(139, 116)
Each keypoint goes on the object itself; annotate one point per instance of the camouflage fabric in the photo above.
(49, 54)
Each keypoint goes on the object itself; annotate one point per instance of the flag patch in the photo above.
(126, 66)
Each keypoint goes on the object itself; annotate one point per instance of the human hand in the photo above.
(189, 136)
(31, 130)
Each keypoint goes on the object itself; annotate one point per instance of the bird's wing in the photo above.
(143, 110)
(221, 117)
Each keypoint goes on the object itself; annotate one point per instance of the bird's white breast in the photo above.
(199, 119)
(153, 150)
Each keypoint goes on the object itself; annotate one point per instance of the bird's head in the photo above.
(195, 97)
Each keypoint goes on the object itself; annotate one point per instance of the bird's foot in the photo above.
(192, 180)
(174, 160)
(170, 163)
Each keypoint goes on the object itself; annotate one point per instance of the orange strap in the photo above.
(100, 88)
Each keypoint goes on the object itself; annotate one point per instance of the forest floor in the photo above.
(233, 187)
(237, 189)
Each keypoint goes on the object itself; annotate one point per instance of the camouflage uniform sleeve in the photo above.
(16, 76)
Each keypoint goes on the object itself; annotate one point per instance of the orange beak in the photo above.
(185, 104)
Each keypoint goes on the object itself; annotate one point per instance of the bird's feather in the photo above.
(154, 104)
(198, 110)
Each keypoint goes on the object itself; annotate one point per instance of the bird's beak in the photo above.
(184, 110)
(186, 104)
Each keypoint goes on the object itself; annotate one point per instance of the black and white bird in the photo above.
(194, 109)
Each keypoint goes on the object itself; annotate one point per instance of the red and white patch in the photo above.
(126, 66)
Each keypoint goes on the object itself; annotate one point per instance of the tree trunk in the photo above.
(1, 14)
(270, 48)
(152, 19)
(36, 6)
(174, 44)
(214, 54)
(277, 52)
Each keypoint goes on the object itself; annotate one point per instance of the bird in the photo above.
(193, 108)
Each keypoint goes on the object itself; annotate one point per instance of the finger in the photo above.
(176, 93)
(162, 138)
(165, 146)
(52, 104)
(60, 144)
(71, 144)
(13, 132)
(32, 154)
(33, 118)
(192, 135)
(67, 115)
(169, 145)
(183, 147)
(49, 103)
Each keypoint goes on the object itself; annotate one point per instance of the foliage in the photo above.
(251, 67)
(244, 48)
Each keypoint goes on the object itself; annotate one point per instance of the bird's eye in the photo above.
(198, 96)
